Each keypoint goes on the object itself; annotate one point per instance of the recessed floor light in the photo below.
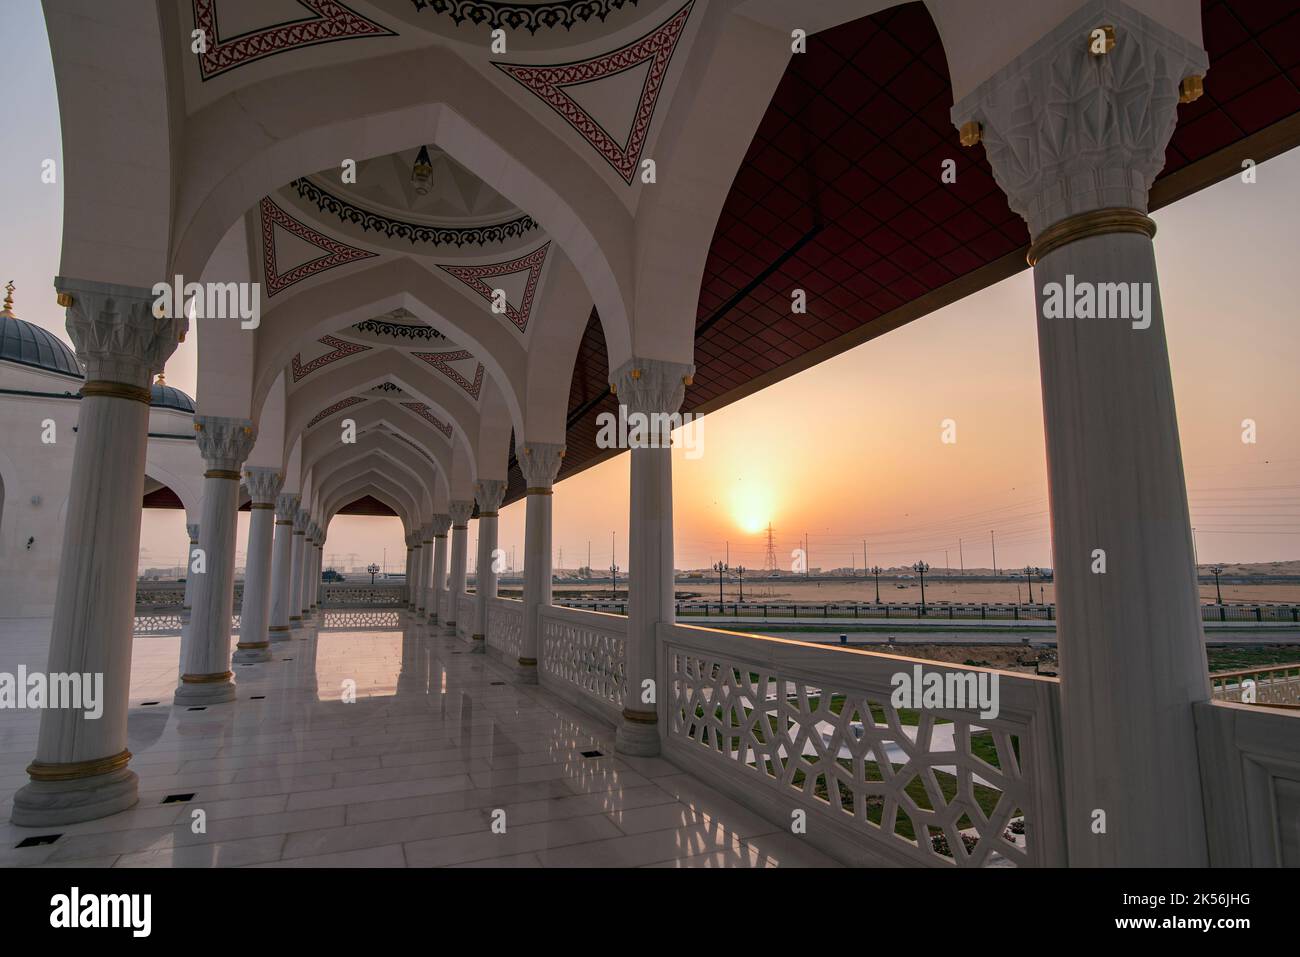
(496, 682)
(145, 704)
(202, 707)
(38, 840)
(178, 798)
(593, 754)
(256, 697)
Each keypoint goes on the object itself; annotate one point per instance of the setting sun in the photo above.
(751, 508)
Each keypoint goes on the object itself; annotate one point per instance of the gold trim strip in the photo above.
(641, 717)
(208, 679)
(278, 628)
(1098, 222)
(284, 521)
(487, 514)
(42, 771)
(298, 533)
(107, 389)
(538, 490)
(262, 505)
(295, 617)
(459, 528)
(476, 637)
(252, 644)
(427, 541)
(221, 474)
(528, 662)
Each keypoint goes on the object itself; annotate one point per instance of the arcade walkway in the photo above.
(408, 775)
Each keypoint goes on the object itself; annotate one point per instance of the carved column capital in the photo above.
(1068, 131)
(193, 530)
(440, 524)
(114, 330)
(460, 512)
(540, 463)
(286, 506)
(489, 493)
(263, 483)
(649, 386)
(224, 442)
(300, 521)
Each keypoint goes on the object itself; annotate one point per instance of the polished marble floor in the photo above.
(367, 741)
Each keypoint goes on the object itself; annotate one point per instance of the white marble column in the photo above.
(460, 512)
(489, 494)
(254, 643)
(296, 565)
(80, 770)
(540, 463)
(410, 574)
(437, 577)
(311, 604)
(423, 553)
(206, 677)
(304, 587)
(1075, 140)
(648, 387)
(286, 507)
(193, 530)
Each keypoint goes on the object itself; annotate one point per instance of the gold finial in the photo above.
(1189, 91)
(161, 380)
(971, 133)
(9, 298)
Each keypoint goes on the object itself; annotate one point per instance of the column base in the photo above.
(449, 628)
(637, 737)
(52, 803)
(278, 633)
(295, 622)
(251, 654)
(480, 645)
(208, 689)
(526, 671)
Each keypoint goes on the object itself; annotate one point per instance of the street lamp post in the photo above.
(720, 567)
(373, 569)
(740, 570)
(875, 570)
(1029, 581)
(1216, 571)
(613, 574)
(921, 568)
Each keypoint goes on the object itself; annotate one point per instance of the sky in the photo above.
(848, 453)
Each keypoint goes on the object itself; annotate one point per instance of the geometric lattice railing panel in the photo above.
(814, 728)
(466, 613)
(363, 595)
(583, 657)
(505, 627)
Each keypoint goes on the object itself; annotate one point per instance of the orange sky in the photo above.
(851, 448)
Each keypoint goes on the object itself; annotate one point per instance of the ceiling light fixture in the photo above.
(422, 172)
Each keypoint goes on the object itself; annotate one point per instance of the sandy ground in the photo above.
(935, 590)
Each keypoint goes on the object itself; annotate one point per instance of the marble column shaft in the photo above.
(80, 769)
(254, 642)
(206, 677)
(540, 463)
(489, 493)
(437, 577)
(286, 506)
(460, 513)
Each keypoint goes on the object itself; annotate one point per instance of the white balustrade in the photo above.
(465, 616)
(363, 595)
(787, 726)
(505, 627)
(582, 658)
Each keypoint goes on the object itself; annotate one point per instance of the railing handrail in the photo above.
(1266, 669)
(579, 616)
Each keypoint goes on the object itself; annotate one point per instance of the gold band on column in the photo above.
(538, 490)
(116, 390)
(252, 644)
(528, 662)
(212, 679)
(278, 628)
(262, 505)
(641, 717)
(222, 474)
(1098, 222)
(476, 637)
(487, 514)
(41, 771)
(283, 521)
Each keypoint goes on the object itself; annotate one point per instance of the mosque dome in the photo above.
(163, 396)
(27, 344)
